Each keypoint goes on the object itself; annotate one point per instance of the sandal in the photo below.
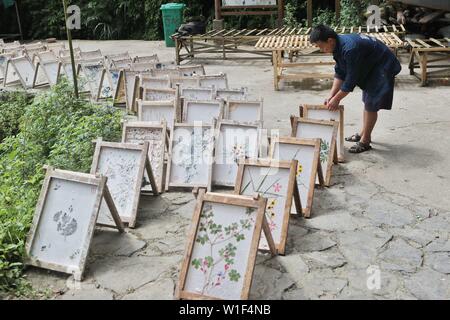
(360, 147)
(354, 138)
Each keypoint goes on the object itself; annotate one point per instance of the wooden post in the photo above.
(424, 62)
(72, 58)
(224, 56)
(178, 47)
(309, 12)
(280, 13)
(191, 46)
(274, 62)
(337, 8)
(18, 19)
(217, 10)
(217, 22)
(411, 62)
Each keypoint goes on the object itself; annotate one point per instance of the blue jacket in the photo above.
(359, 59)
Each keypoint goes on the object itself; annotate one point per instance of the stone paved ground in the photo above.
(387, 209)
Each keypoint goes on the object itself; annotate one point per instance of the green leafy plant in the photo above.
(12, 107)
(131, 19)
(352, 14)
(325, 16)
(290, 19)
(324, 150)
(56, 129)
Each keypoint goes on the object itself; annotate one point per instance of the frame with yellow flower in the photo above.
(321, 112)
(324, 130)
(307, 153)
(274, 180)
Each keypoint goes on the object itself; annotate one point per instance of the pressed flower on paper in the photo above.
(277, 187)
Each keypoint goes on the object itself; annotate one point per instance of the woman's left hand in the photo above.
(333, 104)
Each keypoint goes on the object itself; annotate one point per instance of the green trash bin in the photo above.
(172, 14)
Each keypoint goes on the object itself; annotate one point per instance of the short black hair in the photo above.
(322, 33)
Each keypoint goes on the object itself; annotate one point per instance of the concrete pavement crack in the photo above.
(418, 124)
(383, 190)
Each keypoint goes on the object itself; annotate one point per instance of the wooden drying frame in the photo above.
(11, 63)
(292, 193)
(211, 93)
(178, 80)
(143, 66)
(56, 47)
(45, 56)
(166, 72)
(65, 61)
(43, 65)
(231, 101)
(217, 139)
(65, 53)
(120, 64)
(102, 193)
(261, 225)
(34, 51)
(6, 57)
(135, 74)
(142, 104)
(316, 169)
(107, 77)
(191, 68)
(332, 155)
(166, 81)
(14, 49)
(146, 59)
(303, 112)
(119, 86)
(144, 164)
(243, 91)
(169, 164)
(83, 64)
(147, 125)
(214, 103)
(175, 92)
(221, 76)
(119, 56)
(91, 55)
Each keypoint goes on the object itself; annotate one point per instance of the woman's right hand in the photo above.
(327, 100)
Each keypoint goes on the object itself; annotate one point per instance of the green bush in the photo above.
(289, 16)
(352, 14)
(132, 19)
(12, 107)
(113, 19)
(326, 17)
(55, 129)
(100, 19)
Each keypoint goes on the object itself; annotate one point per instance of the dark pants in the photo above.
(381, 94)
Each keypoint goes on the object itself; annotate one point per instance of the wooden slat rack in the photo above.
(300, 44)
(428, 52)
(235, 44)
